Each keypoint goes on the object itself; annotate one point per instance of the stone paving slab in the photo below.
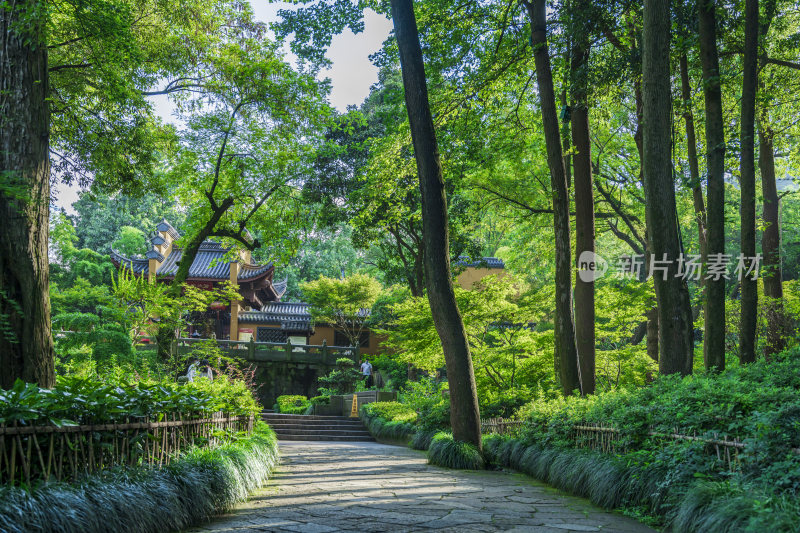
(326, 487)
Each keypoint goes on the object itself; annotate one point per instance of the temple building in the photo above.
(260, 314)
(474, 271)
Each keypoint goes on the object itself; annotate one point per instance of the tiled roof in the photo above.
(167, 227)
(289, 315)
(247, 271)
(137, 265)
(210, 263)
(153, 254)
(280, 286)
(485, 262)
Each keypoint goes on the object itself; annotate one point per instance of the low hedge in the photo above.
(444, 451)
(681, 482)
(392, 421)
(191, 490)
(292, 404)
(648, 488)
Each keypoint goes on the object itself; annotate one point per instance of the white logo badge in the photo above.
(591, 266)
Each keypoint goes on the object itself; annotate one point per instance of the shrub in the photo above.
(86, 401)
(422, 439)
(198, 486)
(394, 372)
(320, 400)
(681, 482)
(504, 404)
(426, 398)
(444, 451)
(389, 420)
(340, 380)
(292, 404)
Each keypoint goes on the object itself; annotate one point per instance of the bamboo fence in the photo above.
(502, 426)
(29, 454)
(610, 440)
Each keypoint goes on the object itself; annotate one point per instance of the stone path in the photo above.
(324, 487)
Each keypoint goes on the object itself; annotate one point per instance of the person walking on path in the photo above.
(366, 370)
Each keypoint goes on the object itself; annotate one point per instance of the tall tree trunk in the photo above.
(771, 238)
(464, 415)
(747, 331)
(672, 294)
(771, 245)
(565, 350)
(584, 221)
(714, 345)
(26, 344)
(651, 315)
(694, 170)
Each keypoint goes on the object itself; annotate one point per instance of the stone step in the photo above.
(288, 427)
(311, 432)
(327, 438)
(274, 416)
(317, 428)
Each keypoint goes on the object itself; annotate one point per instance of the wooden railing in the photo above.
(45, 453)
(503, 426)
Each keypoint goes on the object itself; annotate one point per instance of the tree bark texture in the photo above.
(714, 338)
(651, 314)
(566, 352)
(694, 169)
(584, 220)
(771, 246)
(464, 414)
(771, 238)
(26, 349)
(672, 294)
(747, 172)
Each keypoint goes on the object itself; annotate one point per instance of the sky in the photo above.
(352, 73)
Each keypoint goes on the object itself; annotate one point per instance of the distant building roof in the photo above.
(209, 264)
(138, 266)
(290, 316)
(484, 262)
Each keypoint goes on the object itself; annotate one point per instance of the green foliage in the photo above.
(328, 252)
(201, 484)
(85, 401)
(426, 397)
(391, 421)
(340, 380)
(449, 453)
(344, 303)
(504, 404)
(501, 317)
(393, 371)
(677, 480)
(320, 400)
(100, 218)
(292, 404)
(131, 242)
(422, 439)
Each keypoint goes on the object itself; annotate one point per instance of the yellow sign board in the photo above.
(354, 409)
